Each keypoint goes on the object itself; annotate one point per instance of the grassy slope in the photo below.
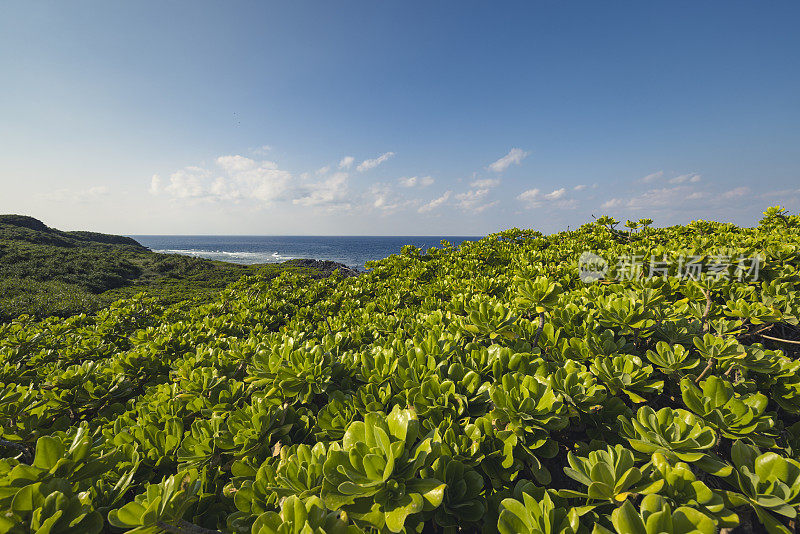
(44, 271)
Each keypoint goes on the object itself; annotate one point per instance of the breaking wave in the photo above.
(233, 257)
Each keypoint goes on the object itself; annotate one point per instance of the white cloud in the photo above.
(486, 206)
(155, 185)
(688, 196)
(662, 197)
(566, 204)
(665, 198)
(93, 193)
(270, 185)
(514, 156)
(368, 164)
(683, 178)
(382, 194)
(652, 177)
(222, 190)
(780, 193)
(413, 181)
(529, 196)
(680, 179)
(736, 193)
(435, 203)
(473, 200)
(486, 183)
(346, 162)
(534, 199)
(323, 170)
(263, 182)
(237, 163)
(187, 183)
(386, 200)
(579, 187)
(330, 193)
(239, 178)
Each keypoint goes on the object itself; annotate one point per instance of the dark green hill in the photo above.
(45, 271)
(25, 228)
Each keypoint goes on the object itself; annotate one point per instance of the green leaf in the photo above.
(687, 519)
(625, 519)
(772, 525)
(28, 498)
(514, 518)
(432, 490)
(397, 514)
(49, 451)
(129, 516)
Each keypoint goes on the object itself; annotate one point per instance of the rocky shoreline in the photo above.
(326, 267)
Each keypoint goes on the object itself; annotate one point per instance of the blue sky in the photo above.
(396, 117)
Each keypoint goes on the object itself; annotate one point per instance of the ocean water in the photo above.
(353, 251)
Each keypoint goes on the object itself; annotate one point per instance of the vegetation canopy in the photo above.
(484, 388)
(46, 272)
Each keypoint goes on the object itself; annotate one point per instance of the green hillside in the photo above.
(606, 379)
(44, 271)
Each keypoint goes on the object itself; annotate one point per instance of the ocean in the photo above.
(353, 251)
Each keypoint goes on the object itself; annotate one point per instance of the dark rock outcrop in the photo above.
(325, 267)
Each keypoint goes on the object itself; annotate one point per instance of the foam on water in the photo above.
(353, 251)
(231, 256)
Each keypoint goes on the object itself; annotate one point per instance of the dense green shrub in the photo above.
(484, 388)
